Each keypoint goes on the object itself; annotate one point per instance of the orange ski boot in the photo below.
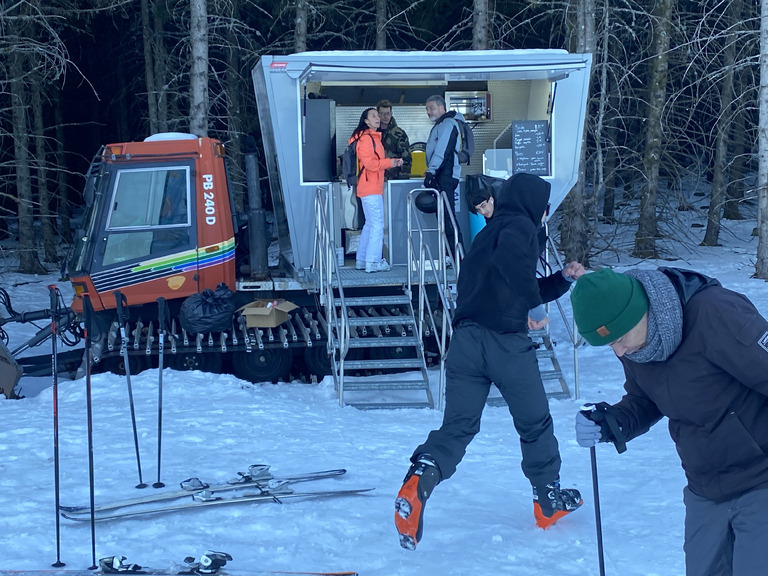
(550, 503)
(418, 484)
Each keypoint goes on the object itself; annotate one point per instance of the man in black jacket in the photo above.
(499, 298)
(698, 354)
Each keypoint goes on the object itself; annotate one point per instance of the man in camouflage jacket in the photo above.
(395, 142)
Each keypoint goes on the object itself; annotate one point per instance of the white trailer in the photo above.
(527, 109)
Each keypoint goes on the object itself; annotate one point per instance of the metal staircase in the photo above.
(385, 365)
(376, 333)
(549, 368)
(377, 323)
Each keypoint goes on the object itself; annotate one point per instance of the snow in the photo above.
(480, 521)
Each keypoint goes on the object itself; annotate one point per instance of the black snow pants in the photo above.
(477, 358)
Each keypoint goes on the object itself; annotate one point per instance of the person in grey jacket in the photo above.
(696, 353)
(443, 170)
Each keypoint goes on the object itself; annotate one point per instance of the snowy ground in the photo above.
(478, 522)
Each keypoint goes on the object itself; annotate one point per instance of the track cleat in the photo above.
(554, 503)
(421, 479)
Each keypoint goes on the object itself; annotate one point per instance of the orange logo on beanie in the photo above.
(603, 331)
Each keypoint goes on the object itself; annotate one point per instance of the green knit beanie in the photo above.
(606, 305)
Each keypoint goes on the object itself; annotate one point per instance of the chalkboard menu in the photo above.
(530, 149)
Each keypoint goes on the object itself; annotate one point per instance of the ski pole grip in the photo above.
(54, 302)
(602, 413)
(120, 301)
(161, 312)
(87, 318)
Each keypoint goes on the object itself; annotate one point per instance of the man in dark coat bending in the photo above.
(499, 299)
(698, 354)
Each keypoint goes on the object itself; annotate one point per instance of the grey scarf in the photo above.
(665, 317)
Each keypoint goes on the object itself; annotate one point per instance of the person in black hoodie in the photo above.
(499, 298)
(696, 353)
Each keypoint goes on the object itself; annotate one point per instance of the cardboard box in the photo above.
(259, 315)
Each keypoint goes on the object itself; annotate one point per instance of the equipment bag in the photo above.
(349, 165)
(208, 311)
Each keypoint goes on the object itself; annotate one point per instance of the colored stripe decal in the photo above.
(186, 261)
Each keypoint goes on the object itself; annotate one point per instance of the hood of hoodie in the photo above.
(523, 194)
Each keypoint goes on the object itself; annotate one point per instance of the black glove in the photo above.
(430, 181)
(599, 415)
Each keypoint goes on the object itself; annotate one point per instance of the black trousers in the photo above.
(477, 358)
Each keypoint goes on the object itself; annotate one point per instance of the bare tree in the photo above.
(149, 69)
(645, 238)
(300, 30)
(761, 264)
(381, 24)
(198, 74)
(480, 24)
(574, 226)
(41, 160)
(738, 147)
(722, 126)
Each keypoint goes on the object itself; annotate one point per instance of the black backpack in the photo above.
(349, 165)
(467, 142)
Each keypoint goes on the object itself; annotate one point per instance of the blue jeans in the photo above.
(372, 236)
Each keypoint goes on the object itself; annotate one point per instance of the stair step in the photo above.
(385, 385)
(384, 342)
(373, 300)
(388, 405)
(380, 320)
(551, 375)
(383, 364)
(544, 353)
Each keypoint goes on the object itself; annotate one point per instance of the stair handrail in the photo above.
(327, 267)
(439, 272)
(570, 327)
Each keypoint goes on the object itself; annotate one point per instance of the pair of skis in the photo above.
(259, 485)
(209, 563)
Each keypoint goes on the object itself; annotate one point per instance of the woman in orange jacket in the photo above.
(370, 189)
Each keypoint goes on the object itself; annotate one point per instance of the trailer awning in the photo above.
(429, 74)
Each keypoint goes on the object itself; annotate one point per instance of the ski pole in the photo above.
(161, 311)
(124, 349)
(87, 309)
(598, 522)
(54, 369)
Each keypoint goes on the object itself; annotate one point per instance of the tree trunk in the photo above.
(381, 24)
(62, 192)
(300, 29)
(735, 188)
(149, 69)
(645, 238)
(198, 75)
(234, 111)
(28, 259)
(761, 264)
(602, 128)
(724, 121)
(47, 219)
(574, 223)
(480, 22)
(161, 66)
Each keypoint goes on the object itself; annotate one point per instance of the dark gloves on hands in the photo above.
(430, 181)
